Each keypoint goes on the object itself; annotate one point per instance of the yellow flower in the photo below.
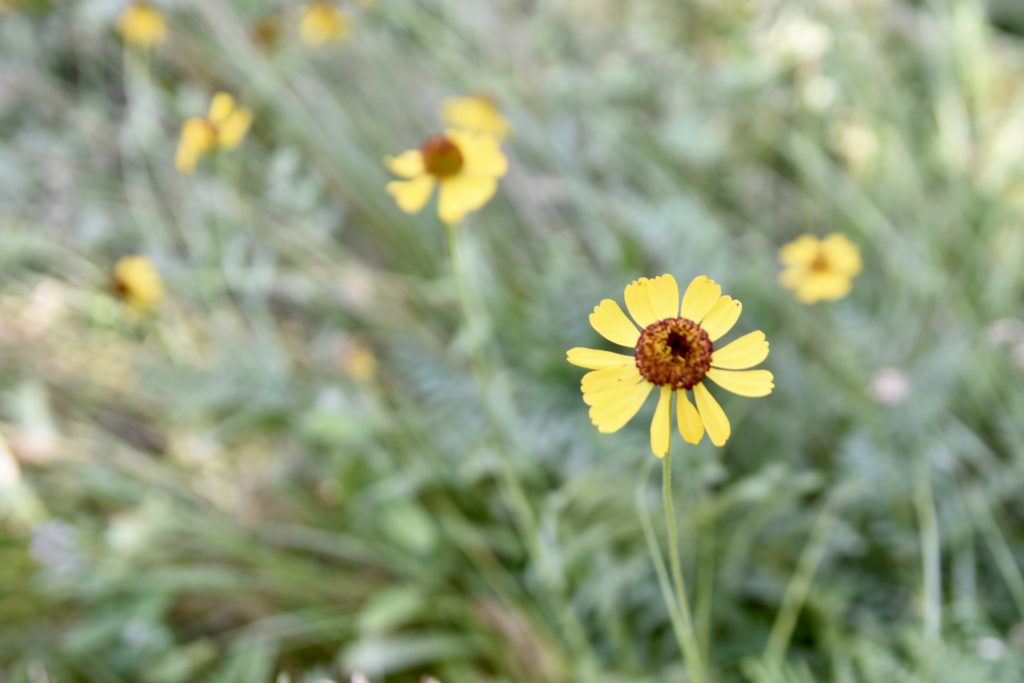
(137, 283)
(478, 113)
(223, 128)
(675, 350)
(142, 24)
(322, 23)
(819, 269)
(358, 361)
(465, 165)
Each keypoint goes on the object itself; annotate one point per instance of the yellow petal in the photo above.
(638, 301)
(461, 194)
(661, 424)
(411, 195)
(742, 353)
(700, 296)
(594, 359)
(722, 317)
(611, 323)
(141, 24)
(613, 416)
(197, 138)
(800, 252)
(827, 286)
(478, 114)
(608, 378)
(690, 426)
(610, 394)
(221, 107)
(231, 132)
(751, 383)
(843, 255)
(664, 293)
(712, 415)
(481, 154)
(408, 164)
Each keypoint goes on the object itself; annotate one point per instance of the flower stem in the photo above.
(694, 665)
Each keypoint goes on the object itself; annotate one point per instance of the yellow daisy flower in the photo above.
(322, 22)
(465, 165)
(477, 113)
(819, 270)
(142, 24)
(675, 350)
(223, 128)
(136, 281)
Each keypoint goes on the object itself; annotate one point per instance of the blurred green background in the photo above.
(229, 491)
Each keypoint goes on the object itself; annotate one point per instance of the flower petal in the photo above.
(411, 195)
(826, 286)
(800, 252)
(712, 415)
(661, 424)
(607, 378)
(461, 194)
(612, 416)
(638, 301)
(231, 132)
(664, 294)
(481, 154)
(612, 324)
(690, 426)
(221, 107)
(408, 164)
(722, 317)
(842, 255)
(476, 113)
(752, 383)
(594, 359)
(742, 353)
(701, 295)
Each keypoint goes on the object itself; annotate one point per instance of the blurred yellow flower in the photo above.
(465, 165)
(142, 24)
(358, 361)
(321, 23)
(819, 270)
(137, 283)
(477, 113)
(223, 128)
(674, 349)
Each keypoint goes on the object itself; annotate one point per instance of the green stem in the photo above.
(694, 665)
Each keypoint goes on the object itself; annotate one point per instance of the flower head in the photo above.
(819, 270)
(142, 24)
(135, 281)
(466, 167)
(223, 128)
(322, 23)
(477, 113)
(674, 349)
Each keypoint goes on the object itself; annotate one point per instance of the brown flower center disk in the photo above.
(820, 264)
(441, 157)
(674, 351)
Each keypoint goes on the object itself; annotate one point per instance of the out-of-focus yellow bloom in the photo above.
(465, 165)
(142, 24)
(321, 23)
(819, 270)
(358, 361)
(674, 349)
(223, 128)
(477, 113)
(137, 283)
